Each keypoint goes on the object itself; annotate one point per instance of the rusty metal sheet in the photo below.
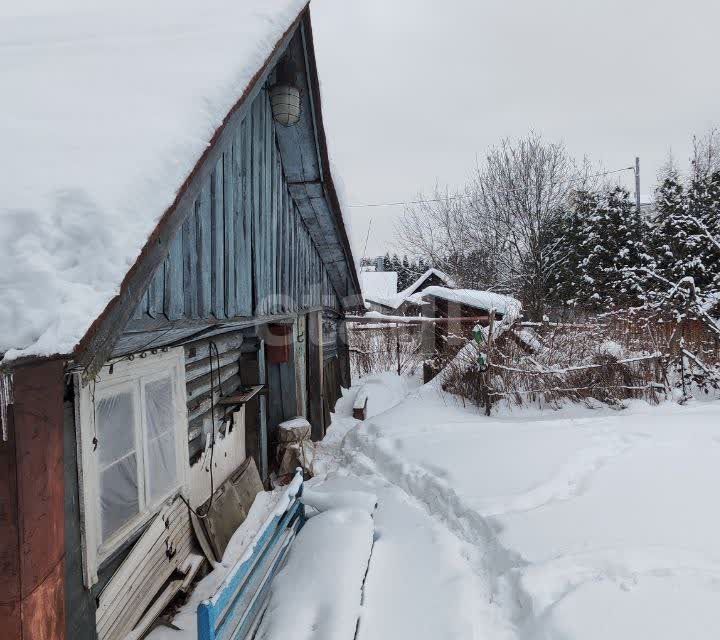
(43, 611)
(9, 555)
(38, 421)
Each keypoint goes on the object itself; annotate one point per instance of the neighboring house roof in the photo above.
(378, 285)
(484, 300)
(407, 295)
(109, 108)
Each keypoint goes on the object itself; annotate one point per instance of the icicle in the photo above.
(6, 399)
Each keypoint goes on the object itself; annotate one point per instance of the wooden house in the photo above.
(186, 291)
(409, 301)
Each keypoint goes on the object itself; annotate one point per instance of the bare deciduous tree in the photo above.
(706, 154)
(501, 232)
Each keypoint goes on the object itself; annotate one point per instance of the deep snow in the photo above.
(107, 107)
(588, 524)
(532, 525)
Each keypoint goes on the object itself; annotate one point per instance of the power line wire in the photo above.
(466, 197)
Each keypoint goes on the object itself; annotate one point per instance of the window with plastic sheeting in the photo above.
(133, 439)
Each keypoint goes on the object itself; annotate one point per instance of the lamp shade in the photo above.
(285, 103)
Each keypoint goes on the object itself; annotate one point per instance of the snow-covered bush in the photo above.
(654, 355)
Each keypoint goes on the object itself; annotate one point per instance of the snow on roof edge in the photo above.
(506, 305)
(78, 255)
(393, 302)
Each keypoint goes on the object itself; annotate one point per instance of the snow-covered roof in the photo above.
(378, 285)
(106, 109)
(486, 300)
(393, 301)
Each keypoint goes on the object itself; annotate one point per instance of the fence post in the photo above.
(491, 326)
(397, 345)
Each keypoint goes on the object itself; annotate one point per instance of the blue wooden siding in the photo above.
(244, 249)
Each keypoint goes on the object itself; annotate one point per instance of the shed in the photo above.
(464, 309)
(409, 301)
(175, 277)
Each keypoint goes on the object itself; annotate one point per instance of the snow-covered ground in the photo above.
(578, 524)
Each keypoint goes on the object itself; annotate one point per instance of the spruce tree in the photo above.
(703, 223)
(569, 286)
(615, 252)
(387, 262)
(406, 276)
(671, 248)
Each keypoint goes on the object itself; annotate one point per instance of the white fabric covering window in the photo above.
(117, 461)
(133, 426)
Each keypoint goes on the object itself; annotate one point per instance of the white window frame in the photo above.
(133, 374)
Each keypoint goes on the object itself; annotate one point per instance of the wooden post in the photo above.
(315, 374)
(397, 346)
(491, 326)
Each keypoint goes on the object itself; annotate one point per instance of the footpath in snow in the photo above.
(422, 582)
(578, 524)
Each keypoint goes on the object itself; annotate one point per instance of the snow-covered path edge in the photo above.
(368, 453)
(485, 599)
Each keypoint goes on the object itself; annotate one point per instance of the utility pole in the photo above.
(637, 184)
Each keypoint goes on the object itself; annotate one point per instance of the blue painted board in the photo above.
(231, 612)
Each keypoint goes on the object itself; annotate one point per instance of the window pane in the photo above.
(114, 424)
(159, 407)
(162, 466)
(118, 495)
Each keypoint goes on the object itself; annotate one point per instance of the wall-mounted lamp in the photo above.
(285, 95)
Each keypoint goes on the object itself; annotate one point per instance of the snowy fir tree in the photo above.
(406, 275)
(614, 253)
(674, 247)
(569, 285)
(703, 221)
(387, 262)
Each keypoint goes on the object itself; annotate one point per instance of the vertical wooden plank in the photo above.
(230, 180)
(156, 292)
(174, 298)
(295, 226)
(141, 308)
(279, 229)
(243, 225)
(203, 233)
(263, 423)
(258, 150)
(269, 213)
(218, 242)
(288, 250)
(190, 266)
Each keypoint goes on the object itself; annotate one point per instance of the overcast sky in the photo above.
(415, 90)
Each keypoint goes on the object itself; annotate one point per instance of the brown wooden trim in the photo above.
(327, 178)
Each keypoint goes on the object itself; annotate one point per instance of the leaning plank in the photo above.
(155, 610)
(163, 547)
(141, 600)
(142, 566)
(190, 568)
(140, 590)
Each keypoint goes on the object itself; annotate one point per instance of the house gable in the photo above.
(243, 239)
